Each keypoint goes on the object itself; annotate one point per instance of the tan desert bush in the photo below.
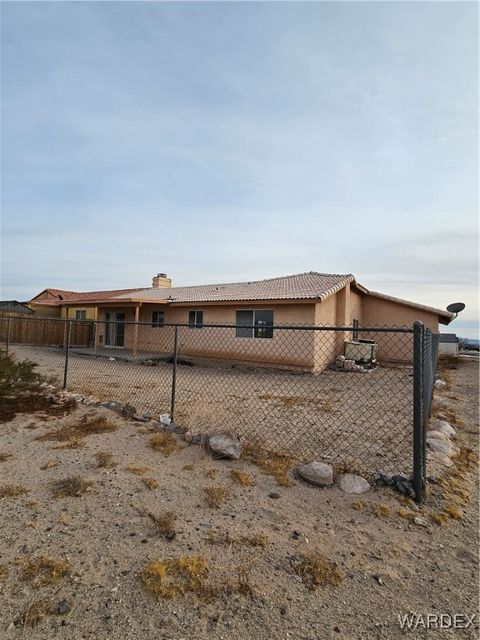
(216, 496)
(71, 487)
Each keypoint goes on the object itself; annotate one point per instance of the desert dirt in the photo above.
(384, 565)
(362, 420)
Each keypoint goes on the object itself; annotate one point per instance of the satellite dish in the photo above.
(456, 307)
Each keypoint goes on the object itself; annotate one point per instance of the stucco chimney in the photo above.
(160, 281)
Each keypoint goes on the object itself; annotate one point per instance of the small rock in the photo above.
(441, 446)
(296, 535)
(283, 611)
(317, 473)
(437, 435)
(128, 410)
(224, 446)
(350, 483)
(274, 495)
(112, 359)
(421, 522)
(165, 419)
(171, 535)
(440, 384)
(140, 418)
(378, 579)
(63, 607)
(442, 426)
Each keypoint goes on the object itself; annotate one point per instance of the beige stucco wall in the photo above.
(70, 312)
(43, 311)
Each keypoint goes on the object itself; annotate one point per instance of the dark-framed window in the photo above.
(258, 323)
(356, 324)
(158, 318)
(81, 314)
(195, 319)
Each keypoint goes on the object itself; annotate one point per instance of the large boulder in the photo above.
(317, 473)
(437, 435)
(350, 483)
(442, 426)
(443, 446)
(224, 445)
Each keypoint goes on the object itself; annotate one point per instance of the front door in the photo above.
(115, 329)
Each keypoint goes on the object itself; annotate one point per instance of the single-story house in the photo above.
(448, 344)
(310, 298)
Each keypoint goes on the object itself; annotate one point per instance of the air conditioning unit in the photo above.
(363, 352)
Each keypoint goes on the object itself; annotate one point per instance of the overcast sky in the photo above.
(230, 141)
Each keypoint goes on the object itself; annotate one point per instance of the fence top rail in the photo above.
(214, 325)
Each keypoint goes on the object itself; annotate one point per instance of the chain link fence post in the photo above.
(174, 373)
(418, 422)
(67, 352)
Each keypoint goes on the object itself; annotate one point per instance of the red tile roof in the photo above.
(80, 296)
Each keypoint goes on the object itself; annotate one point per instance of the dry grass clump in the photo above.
(73, 434)
(225, 538)
(325, 404)
(5, 456)
(50, 464)
(72, 487)
(406, 513)
(358, 505)
(45, 570)
(105, 460)
(272, 463)
(3, 572)
(150, 483)
(138, 471)
(242, 478)
(381, 510)
(13, 490)
(210, 473)
(216, 496)
(35, 613)
(456, 487)
(317, 571)
(164, 442)
(171, 578)
(188, 467)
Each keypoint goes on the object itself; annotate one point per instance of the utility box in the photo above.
(363, 352)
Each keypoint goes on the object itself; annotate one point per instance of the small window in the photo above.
(355, 330)
(256, 324)
(195, 319)
(81, 314)
(158, 318)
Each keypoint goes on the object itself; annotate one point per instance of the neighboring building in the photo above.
(304, 299)
(14, 308)
(448, 344)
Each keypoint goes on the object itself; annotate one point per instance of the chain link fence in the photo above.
(350, 396)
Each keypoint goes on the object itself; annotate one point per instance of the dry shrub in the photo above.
(216, 496)
(73, 434)
(164, 442)
(35, 613)
(71, 487)
(453, 511)
(242, 478)
(406, 513)
(105, 460)
(3, 572)
(13, 490)
(325, 404)
(74, 443)
(32, 504)
(172, 578)
(358, 505)
(50, 464)
(138, 471)
(45, 570)
(272, 463)
(210, 473)
(440, 518)
(5, 456)
(188, 467)
(150, 483)
(225, 538)
(381, 510)
(317, 571)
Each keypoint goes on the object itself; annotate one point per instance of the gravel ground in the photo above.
(362, 421)
(389, 565)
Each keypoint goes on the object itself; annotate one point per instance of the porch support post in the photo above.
(135, 330)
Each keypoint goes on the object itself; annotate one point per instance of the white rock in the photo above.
(437, 458)
(224, 445)
(165, 419)
(317, 473)
(437, 435)
(440, 384)
(442, 446)
(420, 521)
(445, 427)
(350, 483)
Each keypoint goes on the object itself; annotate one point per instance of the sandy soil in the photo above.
(389, 565)
(361, 420)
